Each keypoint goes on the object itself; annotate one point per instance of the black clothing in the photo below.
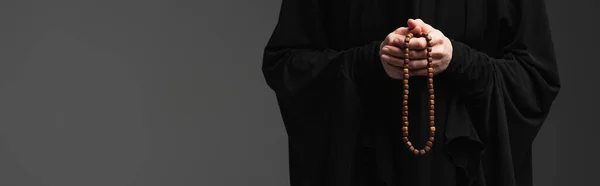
(340, 108)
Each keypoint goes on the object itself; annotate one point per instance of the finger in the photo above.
(393, 71)
(416, 43)
(394, 61)
(396, 51)
(437, 37)
(401, 31)
(417, 64)
(426, 28)
(425, 71)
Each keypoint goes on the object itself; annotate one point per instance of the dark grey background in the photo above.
(165, 92)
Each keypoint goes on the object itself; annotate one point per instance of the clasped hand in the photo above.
(392, 54)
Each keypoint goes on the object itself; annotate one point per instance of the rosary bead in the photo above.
(430, 59)
(430, 74)
(405, 139)
(406, 123)
(405, 119)
(431, 123)
(416, 152)
(430, 91)
(430, 70)
(429, 144)
(427, 148)
(408, 143)
(411, 148)
(405, 97)
(431, 112)
(432, 129)
(432, 139)
(405, 113)
(431, 96)
(432, 118)
(406, 60)
(405, 71)
(406, 92)
(430, 86)
(431, 133)
(404, 103)
(432, 102)
(422, 152)
(406, 86)
(429, 49)
(430, 80)
(432, 107)
(405, 81)
(428, 38)
(404, 129)
(405, 134)
(405, 108)
(406, 76)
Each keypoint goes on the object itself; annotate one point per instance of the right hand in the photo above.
(392, 54)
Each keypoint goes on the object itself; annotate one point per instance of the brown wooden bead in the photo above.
(427, 148)
(431, 133)
(405, 123)
(404, 129)
(431, 112)
(431, 123)
(432, 129)
(405, 92)
(429, 74)
(405, 108)
(432, 118)
(406, 81)
(406, 76)
(430, 59)
(406, 57)
(405, 71)
(430, 85)
(405, 86)
(416, 152)
(429, 54)
(409, 143)
(430, 70)
(430, 80)
(405, 113)
(404, 103)
(422, 152)
(409, 35)
(429, 49)
(432, 107)
(405, 119)
(429, 143)
(405, 139)
(431, 96)
(405, 97)
(432, 102)
(428, 38)
(405, 134)
(411, 148)
(432, 139)
(431, 91)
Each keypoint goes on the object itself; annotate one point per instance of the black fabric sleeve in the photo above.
(298, 55)
(525, 74)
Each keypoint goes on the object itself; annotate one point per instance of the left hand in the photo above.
(441, 49)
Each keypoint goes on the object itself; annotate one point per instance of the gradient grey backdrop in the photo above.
(170, 93)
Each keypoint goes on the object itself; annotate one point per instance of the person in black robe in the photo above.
(340, 96)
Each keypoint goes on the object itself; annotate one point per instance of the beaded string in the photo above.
(429, 143)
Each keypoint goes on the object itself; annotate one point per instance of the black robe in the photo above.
(342, 113)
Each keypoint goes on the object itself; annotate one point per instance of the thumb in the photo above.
(414, 26)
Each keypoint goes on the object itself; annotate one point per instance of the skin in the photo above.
(392, 54)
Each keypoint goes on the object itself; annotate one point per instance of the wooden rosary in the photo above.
(429, 143)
